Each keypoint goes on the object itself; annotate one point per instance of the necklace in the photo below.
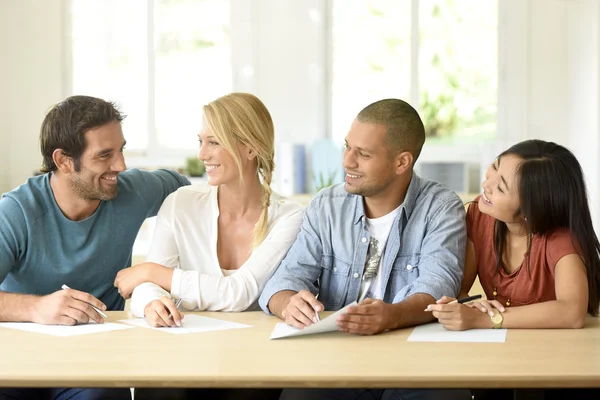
(514, 278)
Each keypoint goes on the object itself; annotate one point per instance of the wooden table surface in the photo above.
(141, 357)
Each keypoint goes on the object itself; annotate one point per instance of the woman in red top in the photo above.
(532, 244)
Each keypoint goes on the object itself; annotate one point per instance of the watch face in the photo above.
(497, 318)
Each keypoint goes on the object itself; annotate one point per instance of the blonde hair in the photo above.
(243, 118)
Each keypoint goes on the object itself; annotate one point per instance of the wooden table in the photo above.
(141, 357)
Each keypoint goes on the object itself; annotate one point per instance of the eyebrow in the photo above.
(360, 148)
(108, 151)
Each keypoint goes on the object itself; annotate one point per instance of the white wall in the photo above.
(583, 105)
(32, 62)
(5, 90)
(549, 52)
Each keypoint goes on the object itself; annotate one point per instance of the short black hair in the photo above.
(404, 128)
(66, 123)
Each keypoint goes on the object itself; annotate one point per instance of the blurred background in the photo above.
(483, 74)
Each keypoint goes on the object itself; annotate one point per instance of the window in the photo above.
(159, 60)
(440, 55)
(371, 56)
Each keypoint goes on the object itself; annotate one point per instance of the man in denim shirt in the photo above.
(386, 238)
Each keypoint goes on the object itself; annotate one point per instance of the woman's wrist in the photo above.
(162, 276)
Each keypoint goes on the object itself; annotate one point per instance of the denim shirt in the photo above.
(424, 253)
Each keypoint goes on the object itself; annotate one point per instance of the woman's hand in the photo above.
(460, 317)
(128, 278)
(162, 313)
(487, 306)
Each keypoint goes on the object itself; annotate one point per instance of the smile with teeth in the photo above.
(110, 177)
(485, 198)
(352, 176)
(210, 167)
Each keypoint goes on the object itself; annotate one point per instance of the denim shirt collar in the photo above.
(408, 206)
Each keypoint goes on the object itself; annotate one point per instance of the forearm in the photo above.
(545, 315)
(17, 307)
(410, 311)
(159, 275)
(279, 302)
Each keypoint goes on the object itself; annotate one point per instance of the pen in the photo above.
(462, 301)
(177, 304)
(64, 287)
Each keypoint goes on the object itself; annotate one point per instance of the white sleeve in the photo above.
(163, 251)
(237, 292)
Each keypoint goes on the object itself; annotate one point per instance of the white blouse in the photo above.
(185, 238)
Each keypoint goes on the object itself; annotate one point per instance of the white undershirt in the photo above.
(379, 228)
(185, 239)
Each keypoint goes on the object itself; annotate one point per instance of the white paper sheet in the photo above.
(435, 332)
(63, 330)
(325, 325)
(191, 324)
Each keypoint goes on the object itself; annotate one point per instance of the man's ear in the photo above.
(63, 162)
(403, 162)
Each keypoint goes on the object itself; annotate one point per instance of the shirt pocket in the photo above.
(333, 283)
(404, 272)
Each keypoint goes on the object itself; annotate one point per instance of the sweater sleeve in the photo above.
(163, 251)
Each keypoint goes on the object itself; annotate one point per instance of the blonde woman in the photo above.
(216, 245)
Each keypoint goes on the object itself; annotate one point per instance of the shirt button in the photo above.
(334, 269)
(409, 267)
(355, 275)
(364, 240)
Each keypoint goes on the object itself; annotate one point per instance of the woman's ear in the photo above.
(63, 162)
(251, 154)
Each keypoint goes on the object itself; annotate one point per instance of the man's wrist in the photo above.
(30, 306)
(279, 302)
(393, 316)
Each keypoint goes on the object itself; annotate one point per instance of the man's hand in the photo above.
(301, 311)
(129, 278)
(67, 307)
(162, 313)
(367, 318)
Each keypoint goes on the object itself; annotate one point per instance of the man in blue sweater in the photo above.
(74, 225)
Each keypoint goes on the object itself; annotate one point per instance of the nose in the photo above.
(349, 161)
(120, 163)
(485, 186)
(202, 153)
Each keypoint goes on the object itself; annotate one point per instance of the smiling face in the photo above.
(500, 198)
(367, 162)
(101, 163)
(221, 167)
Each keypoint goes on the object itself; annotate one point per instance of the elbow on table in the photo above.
(577, 322)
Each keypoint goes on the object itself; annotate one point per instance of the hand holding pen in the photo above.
(302, 310)
(464, 300)
(163, 312)
(68, 307)
(459, 315)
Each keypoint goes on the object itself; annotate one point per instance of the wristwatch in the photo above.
(497, 319)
